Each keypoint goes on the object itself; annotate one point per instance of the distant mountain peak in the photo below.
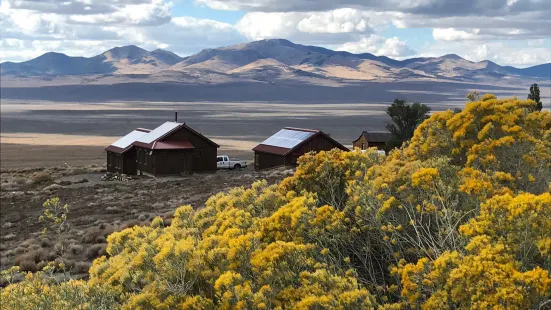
(125, 52)
(278, 41)
(165, 56)
(130, 47)
(452, 56)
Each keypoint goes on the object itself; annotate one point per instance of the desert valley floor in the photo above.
(37, 133)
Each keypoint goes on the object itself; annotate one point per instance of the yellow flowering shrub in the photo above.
(42, 291)
(327, 173)
(505, 265)
(458, 218)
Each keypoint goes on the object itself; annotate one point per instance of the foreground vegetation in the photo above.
(458, 218)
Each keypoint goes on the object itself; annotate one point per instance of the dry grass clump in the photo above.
(41, 177)
(81, 267)
(20, 180)
(98, 234)
(75, 249)
(91, 234)
(28, 265)
(29, 260)
(96, 250)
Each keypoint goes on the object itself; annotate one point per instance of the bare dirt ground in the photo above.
(96, 209)
(17, 155)
(36, 156)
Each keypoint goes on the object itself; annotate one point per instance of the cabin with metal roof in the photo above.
(174, 148)
(287, 145)
(376, 139)
(170, 149)
(121, 155)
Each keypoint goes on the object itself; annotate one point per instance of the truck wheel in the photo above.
(237, 167)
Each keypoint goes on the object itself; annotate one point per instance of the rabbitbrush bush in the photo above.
(458, 218)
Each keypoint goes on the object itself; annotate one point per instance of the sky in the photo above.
(508, 32)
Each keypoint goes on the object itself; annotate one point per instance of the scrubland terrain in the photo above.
(96, 209)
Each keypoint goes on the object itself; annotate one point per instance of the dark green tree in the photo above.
(405, 118)
(534, 95)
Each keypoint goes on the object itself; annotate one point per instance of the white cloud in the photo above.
(155, 12)
(331, 27)
(451, 34)
(500, 52)
(146, 23)
(392, 47)
(337, 21)
(434, 8)
(72, 6)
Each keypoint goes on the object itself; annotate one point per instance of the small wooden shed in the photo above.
(288, 144)
(376, 139)
(175, 148)
(121, 155)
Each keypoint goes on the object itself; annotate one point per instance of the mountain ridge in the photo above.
(291, 62)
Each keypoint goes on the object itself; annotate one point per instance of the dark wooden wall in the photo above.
(122, 163)
(378, 145)
(177, 161)
(112, 162)
(316, 144)
(144, 161)
(167, 162)
(129, 161)
(267, 160)
(358, 144)
(204, 155)
(363, 139)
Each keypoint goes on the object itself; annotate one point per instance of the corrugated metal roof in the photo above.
(158, 132)
(130, 138)
(288, 138)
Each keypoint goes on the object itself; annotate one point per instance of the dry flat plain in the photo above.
(42, 133)
(38, 133)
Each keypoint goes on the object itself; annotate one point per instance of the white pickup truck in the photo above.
(224, 162)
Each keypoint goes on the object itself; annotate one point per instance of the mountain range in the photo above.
(266, 61)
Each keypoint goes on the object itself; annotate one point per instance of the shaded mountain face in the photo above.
(166, 56)
(126, 60)
(268, 60)
(57, 64)
(130, 52)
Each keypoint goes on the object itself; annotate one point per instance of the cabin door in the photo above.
(182, 164)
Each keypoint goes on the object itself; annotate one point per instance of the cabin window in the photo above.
(363, 145)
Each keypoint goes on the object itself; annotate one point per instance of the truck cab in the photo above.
(224, 162)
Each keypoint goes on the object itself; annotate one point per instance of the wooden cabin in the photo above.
(288, 144)
(372, 139)
(121, 155)
(174, 148)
